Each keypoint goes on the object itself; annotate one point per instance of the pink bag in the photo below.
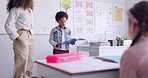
(65, 57)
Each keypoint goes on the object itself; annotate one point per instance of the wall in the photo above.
(43, 48)
(117, 30)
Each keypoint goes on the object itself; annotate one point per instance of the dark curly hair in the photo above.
(19, 3)
(140, 12)
(61, 14)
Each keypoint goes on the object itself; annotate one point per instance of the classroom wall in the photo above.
(43, 48)
(117, 29)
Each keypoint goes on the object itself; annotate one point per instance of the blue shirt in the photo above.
(56, 36)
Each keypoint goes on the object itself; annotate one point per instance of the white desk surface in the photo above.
(85, 65)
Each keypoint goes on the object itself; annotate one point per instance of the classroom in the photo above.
(84, 22)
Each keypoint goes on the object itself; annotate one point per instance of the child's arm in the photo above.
(51, 41)
(10, 23)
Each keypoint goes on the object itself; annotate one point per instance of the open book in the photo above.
(70, 41)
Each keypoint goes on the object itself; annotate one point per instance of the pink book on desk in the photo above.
(65, 57)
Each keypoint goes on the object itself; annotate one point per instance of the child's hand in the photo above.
(18, 38)
(58, 45)
(73, 43)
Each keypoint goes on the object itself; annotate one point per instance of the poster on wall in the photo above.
(103, 17)
(118, 14)
(89, 17)
(79, 16)
(67, 6)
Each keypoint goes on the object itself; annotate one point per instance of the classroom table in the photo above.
(102, 50)
(85, 68)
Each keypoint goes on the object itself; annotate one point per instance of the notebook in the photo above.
(70, 41)
(114, 59)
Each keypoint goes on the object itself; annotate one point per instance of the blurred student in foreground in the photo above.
(134, 62)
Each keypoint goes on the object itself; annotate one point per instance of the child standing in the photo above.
(60, 34)
(20, 17)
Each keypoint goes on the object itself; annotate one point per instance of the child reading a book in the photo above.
(134, 63)
(60, 34)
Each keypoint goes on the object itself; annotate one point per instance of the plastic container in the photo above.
(65, 57)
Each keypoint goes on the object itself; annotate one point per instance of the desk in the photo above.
(93, 50)
(103, 50)
(85, 68)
